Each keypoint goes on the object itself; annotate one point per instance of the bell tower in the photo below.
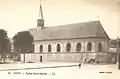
(40, 21)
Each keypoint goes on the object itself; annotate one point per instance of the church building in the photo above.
(70, 42)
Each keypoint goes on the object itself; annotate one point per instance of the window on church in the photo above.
(68, 47)
(49, 48)
(58, 47)
(78, 47)
(41, 48)
(100, 47)
(89, 46)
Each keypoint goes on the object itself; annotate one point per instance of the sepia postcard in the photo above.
(60, 39)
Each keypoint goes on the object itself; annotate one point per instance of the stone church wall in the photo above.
(72, 57)
(73, 43)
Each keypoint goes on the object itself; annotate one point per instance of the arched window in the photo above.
(49, 48)
(89, 46)
(41, 48)
(58, 47)
(68, 47)
(100, 47)
(78, 47)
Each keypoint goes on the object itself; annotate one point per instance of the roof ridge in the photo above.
(73, 24)
(74, 30)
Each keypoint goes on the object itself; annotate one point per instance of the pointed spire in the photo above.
(40, 21)
(40, 11)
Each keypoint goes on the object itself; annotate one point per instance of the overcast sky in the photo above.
(18, 15)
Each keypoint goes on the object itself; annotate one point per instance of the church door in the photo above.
(40, 58)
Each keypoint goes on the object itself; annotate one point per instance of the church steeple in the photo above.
(40, 21)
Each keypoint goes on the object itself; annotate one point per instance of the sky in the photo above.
(20, 15)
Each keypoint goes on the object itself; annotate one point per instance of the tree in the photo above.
(23, 42)
(4, 43)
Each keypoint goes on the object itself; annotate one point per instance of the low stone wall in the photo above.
(106, 58)
(71, 57)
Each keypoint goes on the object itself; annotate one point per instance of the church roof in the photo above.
(33, 31)
(76, 30)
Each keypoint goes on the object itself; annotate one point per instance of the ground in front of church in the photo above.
(57, 70)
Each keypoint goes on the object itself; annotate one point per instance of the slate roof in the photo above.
(33, 31)
(76, 30)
